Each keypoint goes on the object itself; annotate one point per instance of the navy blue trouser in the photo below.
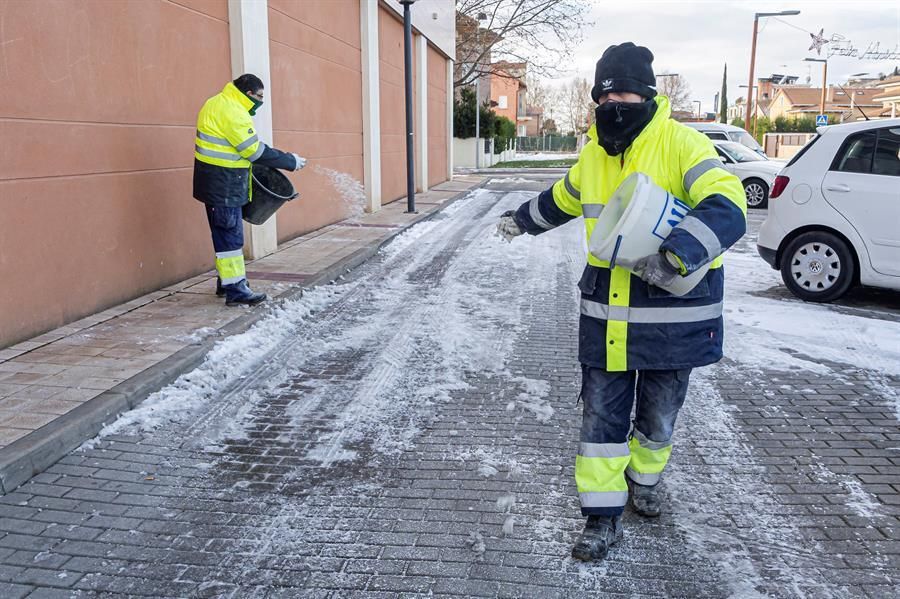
(227, 228)
(612, 446)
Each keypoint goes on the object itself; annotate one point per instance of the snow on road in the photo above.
(762, 332)
(374, 357)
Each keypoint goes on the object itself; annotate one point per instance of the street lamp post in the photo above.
(756, 16)
(824, 62)
(407, 72)
(751, 107)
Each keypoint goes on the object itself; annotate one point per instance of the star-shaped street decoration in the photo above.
(818, 41)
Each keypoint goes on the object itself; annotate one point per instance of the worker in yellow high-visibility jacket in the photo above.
(637, 342)
(224, 151)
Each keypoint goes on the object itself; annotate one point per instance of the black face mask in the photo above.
(619, 123)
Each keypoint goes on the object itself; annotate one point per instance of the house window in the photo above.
(502, 103)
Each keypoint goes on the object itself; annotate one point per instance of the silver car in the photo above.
(757, 173)
(723, 132)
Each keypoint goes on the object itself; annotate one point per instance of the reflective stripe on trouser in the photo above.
(648, 458)
(598, 475)
(230, 266)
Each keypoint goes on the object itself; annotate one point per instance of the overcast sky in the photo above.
(696, 38)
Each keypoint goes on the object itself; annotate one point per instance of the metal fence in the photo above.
(547, 143)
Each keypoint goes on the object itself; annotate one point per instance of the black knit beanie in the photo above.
(625, 68)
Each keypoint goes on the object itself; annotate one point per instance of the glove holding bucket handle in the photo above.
(659, 269)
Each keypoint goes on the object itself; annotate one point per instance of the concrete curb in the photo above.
(37, 451)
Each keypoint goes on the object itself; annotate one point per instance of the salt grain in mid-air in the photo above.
(350, 191)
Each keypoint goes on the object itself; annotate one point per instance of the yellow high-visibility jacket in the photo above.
(625, 323)
(225, 148)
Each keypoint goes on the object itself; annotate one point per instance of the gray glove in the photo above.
(657, 269)
(301, 162)
(507, 227)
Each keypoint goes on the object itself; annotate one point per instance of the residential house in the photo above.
(507, 84)
(889, 97)
(795, 101)
(767, 86)
(534, 121)
(738, 110)
(473, 55)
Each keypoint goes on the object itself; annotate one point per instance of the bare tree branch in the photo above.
(542, 33)
(575, 107)
(676, 88)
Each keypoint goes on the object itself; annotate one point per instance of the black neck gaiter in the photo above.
(619, 123)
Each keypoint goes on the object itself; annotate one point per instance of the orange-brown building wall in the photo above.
(315, 62)
(97, 121)
(437, 117)
(393, 111)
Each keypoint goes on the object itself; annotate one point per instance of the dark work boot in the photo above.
(644, 499)
(599, 534)
(220, 291)
(240, 293)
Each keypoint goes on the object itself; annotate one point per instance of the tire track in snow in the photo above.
(763, 559)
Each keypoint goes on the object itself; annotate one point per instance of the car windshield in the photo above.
(739, 153)
(744, 138)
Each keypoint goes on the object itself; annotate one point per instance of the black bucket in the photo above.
(271, 189)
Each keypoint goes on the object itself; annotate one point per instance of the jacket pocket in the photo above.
(588, 282)
(224, 217)
(239, 187)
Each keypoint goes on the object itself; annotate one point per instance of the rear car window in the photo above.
(887, 153)
(716, 135)
(856, 153)
(744, 138)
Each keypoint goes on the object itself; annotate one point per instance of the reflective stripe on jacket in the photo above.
(225, 146)
(225, 133)
(625, 323)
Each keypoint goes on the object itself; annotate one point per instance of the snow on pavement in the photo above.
(442, 307)
(763, 333)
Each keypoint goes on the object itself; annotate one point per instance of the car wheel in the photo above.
(818, 267)
(757, 193)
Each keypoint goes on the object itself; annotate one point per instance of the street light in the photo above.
(478, 150)
(756, 16)
(824, 62)
(407, 73)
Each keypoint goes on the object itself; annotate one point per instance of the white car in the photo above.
(834, 213)
(757, 173)
(723, 132)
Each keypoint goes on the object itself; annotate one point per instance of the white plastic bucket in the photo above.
(636, 220)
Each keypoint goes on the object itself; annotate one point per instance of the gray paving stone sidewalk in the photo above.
(416, 438)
